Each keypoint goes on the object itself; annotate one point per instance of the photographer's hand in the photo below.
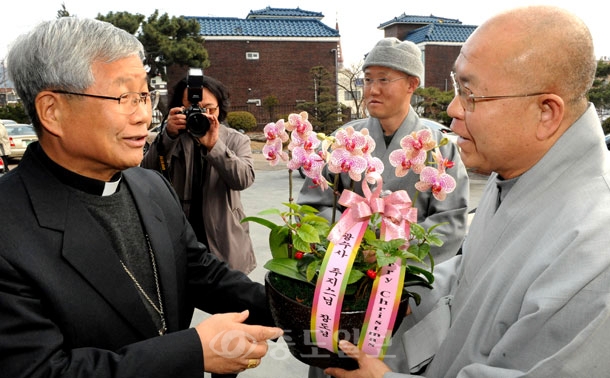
(210, 138)
(176, 122)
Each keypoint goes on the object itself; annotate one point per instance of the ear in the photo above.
(50, 107)
(552, 109)
(413, 82)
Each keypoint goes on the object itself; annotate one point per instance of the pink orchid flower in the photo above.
(276, 130)
(413, 154)
(436, 179)
(299, 123)
(319, 181)
(370, 144)
(350, 139)
(416, 146)
(341, 160)
(309, 141)
(373, 164)
(441, 162)
(273, 151)
(311, 162)
(404, 161)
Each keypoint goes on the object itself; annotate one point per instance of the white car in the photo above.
(20, 135)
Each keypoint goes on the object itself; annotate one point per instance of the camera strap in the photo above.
(161, 150)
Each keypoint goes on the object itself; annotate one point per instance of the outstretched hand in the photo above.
(230, 346)
(368, 367)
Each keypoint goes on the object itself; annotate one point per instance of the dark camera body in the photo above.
(196, 121)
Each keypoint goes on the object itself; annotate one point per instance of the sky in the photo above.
(358, 26)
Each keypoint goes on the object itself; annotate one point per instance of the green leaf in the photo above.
(271, 211)
(383, 260)
(293, 206)
(354, 276)
(308, 233)
(315, 219)
(261, 221)
(424, 250)
(279, 238)
(285, 267)
(419, 270)
(312, 270)
(435, 240)
(436, 225)
(308, 209)
(418, 231)
(416, 297)
(300, 245)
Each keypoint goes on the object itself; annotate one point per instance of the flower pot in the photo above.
(294, 318)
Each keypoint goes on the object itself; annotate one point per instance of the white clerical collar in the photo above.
(111, 187)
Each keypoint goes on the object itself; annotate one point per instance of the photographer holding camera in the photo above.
(208, 165)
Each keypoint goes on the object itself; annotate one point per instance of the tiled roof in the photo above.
(264, 27)
(412, 19)
(284, 12)
(441, 33)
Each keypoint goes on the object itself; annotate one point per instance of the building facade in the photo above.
(269, 54)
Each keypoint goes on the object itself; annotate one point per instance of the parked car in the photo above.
(608, 141)
(2, 167)
(7, 122)
(20, 135)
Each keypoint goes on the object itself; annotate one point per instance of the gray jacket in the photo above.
(229, 169)
(531, 293)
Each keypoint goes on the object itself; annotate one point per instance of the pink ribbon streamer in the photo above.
(382, 310)
(397, 215)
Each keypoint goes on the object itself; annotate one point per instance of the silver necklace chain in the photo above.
(139, 287)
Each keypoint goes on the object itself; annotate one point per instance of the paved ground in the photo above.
(270, 189)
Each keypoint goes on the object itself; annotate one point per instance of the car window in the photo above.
(20, 130)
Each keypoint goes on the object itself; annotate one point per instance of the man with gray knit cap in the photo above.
(392, 72)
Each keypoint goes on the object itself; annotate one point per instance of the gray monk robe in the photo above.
(530, 296)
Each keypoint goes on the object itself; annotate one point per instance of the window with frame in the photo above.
(252, 55)
(352, 96)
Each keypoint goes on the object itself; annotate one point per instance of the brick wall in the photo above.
(282, 70)
(439, 62)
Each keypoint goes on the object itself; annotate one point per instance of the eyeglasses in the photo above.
(382, 81)
(468, 99)
(128, 102)
(211, 109)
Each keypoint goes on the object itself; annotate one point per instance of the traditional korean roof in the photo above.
(413, 19)
(441, 32)
(283, 13)
(268, 22)
(227, 26)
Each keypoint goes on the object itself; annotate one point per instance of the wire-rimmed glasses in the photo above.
(468, 99)
(382, 81)
(128, 101)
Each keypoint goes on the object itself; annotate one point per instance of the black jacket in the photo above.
(68, 308)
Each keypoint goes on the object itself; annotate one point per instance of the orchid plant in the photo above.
(300, 242)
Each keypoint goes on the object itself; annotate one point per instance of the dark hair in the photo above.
(218, 90)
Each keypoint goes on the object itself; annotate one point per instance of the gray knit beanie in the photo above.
(402, 56)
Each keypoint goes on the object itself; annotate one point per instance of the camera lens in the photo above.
(197, 123)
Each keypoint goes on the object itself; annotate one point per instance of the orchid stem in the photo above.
(335, 197)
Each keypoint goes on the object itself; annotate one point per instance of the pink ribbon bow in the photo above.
(396, 210)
